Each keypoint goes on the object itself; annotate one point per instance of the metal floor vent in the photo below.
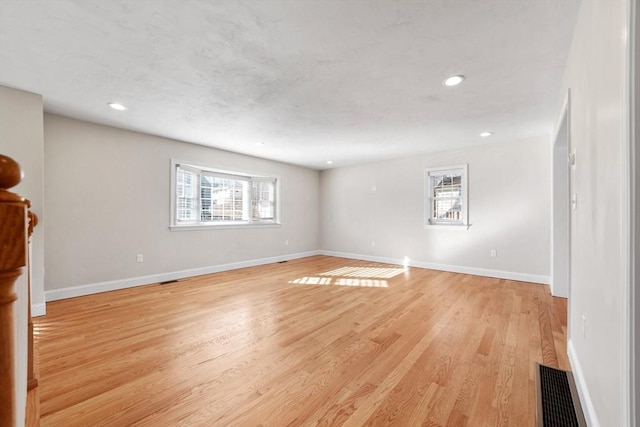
(557, 402)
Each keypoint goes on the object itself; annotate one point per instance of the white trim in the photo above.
(565, 117)
(38, 309)
(20, 347)
(113, 285)
(626, 228)
(634, 283)
(193, 227)
(627, 237)
(566, 106)
(499, 274)
(581, 385)
(233, 172)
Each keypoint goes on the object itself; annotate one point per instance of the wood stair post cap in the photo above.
(10, 173)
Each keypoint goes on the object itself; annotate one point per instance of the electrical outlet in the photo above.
(373, 243)
(286, 243)
(494, 253)
(139, 258)
(374, 188)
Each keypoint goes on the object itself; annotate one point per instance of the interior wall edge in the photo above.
(38, 309)
(581, 385)
(634, 259)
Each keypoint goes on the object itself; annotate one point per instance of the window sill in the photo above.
(193, 227)
(454, 227)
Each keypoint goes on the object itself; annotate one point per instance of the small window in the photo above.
(446, 198)
(211, 197)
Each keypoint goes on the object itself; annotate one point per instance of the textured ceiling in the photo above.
(350, 81)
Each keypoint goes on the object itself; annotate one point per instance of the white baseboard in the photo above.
(583, 391)
(113, 285)
(38, 309)
(509, 275)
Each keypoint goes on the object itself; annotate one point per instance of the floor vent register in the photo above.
(557, 402)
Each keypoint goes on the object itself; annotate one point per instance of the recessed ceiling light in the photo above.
(453, 80)
(486, 134)
(329, 162)
(117, 106)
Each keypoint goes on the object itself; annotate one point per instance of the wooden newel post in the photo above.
(13, 258)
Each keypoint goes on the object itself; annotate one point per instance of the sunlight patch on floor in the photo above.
(312, 281)
(377, 272)
(369, 277)
(342, 281)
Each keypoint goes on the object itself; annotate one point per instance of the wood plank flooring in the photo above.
(317, 341)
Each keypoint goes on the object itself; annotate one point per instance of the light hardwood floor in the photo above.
(316, 341)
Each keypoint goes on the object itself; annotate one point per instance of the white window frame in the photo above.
(198, 224)
(463, 222)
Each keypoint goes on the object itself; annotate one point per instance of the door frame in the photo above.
(560, 204)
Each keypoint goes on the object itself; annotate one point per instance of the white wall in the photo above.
(509, 201)
(21, 138)
(597, 74)
(108, 199)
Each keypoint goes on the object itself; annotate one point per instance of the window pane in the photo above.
(186, 199)
(446, 198)
(205, 199)
(263, 200)
(223, 199)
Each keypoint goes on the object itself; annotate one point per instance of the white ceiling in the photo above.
(350, 81)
